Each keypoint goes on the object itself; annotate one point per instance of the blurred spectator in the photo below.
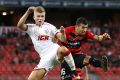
(1, 53)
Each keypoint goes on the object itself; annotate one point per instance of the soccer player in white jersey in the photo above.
(42, 34)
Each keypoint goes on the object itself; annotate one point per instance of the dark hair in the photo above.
(81, 20)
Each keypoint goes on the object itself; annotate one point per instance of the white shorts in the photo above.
(49, 61)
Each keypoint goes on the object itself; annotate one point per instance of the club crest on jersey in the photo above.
(46, 31)
(43, 37)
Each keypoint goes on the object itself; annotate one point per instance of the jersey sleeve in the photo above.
(53, 30)
(89, 35)
(67, 31)
(29, 28)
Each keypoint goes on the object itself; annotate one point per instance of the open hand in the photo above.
(106, 36)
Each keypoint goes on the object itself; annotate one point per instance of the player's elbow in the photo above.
(19, 25)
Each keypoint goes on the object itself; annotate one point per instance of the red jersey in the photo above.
(74, 42)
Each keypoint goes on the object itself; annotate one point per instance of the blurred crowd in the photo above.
(17, 55)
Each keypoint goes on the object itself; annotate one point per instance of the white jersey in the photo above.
(42, 36)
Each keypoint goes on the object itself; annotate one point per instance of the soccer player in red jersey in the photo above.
(75, 37)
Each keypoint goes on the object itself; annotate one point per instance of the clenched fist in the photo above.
(62, 30)
(31, 9)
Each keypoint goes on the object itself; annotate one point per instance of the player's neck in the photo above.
(39, 25)
(76, 32)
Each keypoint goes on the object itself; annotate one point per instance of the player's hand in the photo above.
(31, 9)
(62, 30)
(106, 36)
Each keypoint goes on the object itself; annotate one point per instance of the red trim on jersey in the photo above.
(56, 35)
(66, 53)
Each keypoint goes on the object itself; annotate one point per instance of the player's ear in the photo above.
(34, 17)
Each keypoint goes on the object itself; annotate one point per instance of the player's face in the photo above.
(81, 29)
(39, 18)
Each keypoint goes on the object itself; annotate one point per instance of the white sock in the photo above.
(70, 61)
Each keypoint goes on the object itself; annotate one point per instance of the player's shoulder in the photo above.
(30, 24)
(70, 28)
(48, 24)
(88, 32)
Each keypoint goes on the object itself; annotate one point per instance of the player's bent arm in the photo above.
(61, 36)
(21, 24)
(103, 37)
(98, 38)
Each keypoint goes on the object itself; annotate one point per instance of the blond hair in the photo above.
(39, 9)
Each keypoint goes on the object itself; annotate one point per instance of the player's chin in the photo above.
(39, 23)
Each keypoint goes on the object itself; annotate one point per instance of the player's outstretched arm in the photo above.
(103, 37)
(21, 23)
(61, 35)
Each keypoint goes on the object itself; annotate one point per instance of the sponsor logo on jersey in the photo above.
(43, 37)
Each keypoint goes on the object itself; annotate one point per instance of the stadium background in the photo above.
(17, 55)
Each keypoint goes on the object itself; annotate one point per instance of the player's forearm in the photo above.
(23, 20)
(102, 37)
(99, 38)
(62, 37)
